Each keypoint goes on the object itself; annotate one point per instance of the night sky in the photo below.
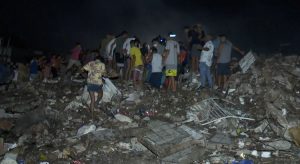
(57, 24)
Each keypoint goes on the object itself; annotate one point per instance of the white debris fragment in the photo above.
(246, 62)
(231, 90)
(254, 153)
(241, 144)
(123, 118)
(85, 130)
(265, 154)
(284, 112)
(124, 145)
(242, 100)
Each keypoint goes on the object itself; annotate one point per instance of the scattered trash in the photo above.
(209, 111)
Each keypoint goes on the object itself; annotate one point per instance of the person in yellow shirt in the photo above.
(96, 69)
(137, 63)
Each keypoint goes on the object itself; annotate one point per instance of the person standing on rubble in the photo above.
(207, 54)
(223, 60)
(156, 69)
(136, 63)
(96, 70)
(110, 49)
(172, 52)
(103, 46)
(119, 53)
(126, 51)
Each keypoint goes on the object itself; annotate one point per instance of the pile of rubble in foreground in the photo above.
(256, 119)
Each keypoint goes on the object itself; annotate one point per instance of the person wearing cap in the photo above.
(171, 60)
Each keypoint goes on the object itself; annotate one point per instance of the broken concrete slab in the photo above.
(221, 138)
(278, 145)
(165, 139)
(188, 155)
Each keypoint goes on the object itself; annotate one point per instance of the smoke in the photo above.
(258, 25)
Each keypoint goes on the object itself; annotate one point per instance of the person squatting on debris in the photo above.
(96, 70)
(172, 49)
(223, 60)
(206, 62)
(136, 63)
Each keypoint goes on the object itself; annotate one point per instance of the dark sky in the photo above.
(57, 24)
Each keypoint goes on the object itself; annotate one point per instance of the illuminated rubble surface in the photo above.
(50, 123)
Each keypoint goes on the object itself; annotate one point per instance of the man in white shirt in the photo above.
(207, 54)
(172, 49)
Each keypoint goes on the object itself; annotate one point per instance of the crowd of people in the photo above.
(162, 61)
(159, 63)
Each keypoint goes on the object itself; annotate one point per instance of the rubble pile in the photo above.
(255, 119)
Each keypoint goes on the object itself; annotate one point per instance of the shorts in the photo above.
(33, 77)
(127, 63)
(195, 50)
(223, 69)
(119, 57)
(171, 72)
(94, 87)
(155, 79)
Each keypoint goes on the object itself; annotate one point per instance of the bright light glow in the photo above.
(172, 35)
